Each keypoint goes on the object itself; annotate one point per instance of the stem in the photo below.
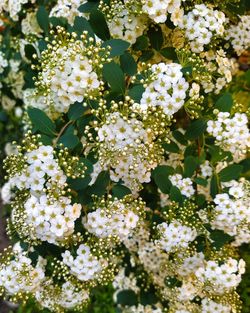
(61, 132)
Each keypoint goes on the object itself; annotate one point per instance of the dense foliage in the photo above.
(125, 145)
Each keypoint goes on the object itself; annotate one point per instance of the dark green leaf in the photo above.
(219, 238)
(69, 140)
(43, 19)
(190, 165)
(81, 24)
(46, 140)
(136, 93)
(201, 181)
(171, 147)
(88, 7)
(195, 129)
(127, 297)
(99, 25)
(119, 191)
(79, 183)
(118, 46)
(155, 37)
(128, 64)
(29, 52)
(113, 74)
(41, 121)
(169, 53)
(214, 185)
(230, 172)
(100, 185)
(146, 55)
(141, 43)
(224, 103)
(175, 195)
(172, 281)
(179, 137)
(75, 111)
(160, 176)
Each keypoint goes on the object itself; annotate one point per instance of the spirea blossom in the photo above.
(175, 235)
(239, 35)
(201, 25)
(231, 133)
(167, 90)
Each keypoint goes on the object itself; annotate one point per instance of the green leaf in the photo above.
(201, 181)
(46, 140)
(69, 140)
(219, 238)
(214, 185)
(128, 64)
(155, 37)
(187, 70)
(113, 74)
(169, 53)
(76, 110)
(43, 19)
(100, 185)
(190, 165)
(175, 195)
(171, 147)
(81, 24)
(29, 51)
(146, 55)
(136, 92)
(141, 43)
(88, 7)
(218, 154)
(127, 297)
(118, 46)
(160, 176)
(99, 25)
(224, 103)
(79, 183)
(41, 121)
(179, 137)
(195, 129)
(119, 191)
(230, 172)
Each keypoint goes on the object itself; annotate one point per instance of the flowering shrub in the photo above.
(127, 181)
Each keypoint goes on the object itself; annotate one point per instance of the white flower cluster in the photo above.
(232, 134)
(220, 278)
(19, 275)
(85, 266)
(191, 264)
(158, 10)
(3, 62)
(42, 170)
(124, 145)
(167, 90)
(239, 35)
(142, 309)
(218, 63)
(185, 185)
(212, 306)
(13, 7)
(119, 221)
(67, 297)
(126, 26)
(206, 169)
(71, 79)
(49, 219)
(54, 221)
(201, 24)
(67, 9)
(30, 25)
(175, 236)
(230, 213)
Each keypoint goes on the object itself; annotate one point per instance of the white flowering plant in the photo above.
(126, 188)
